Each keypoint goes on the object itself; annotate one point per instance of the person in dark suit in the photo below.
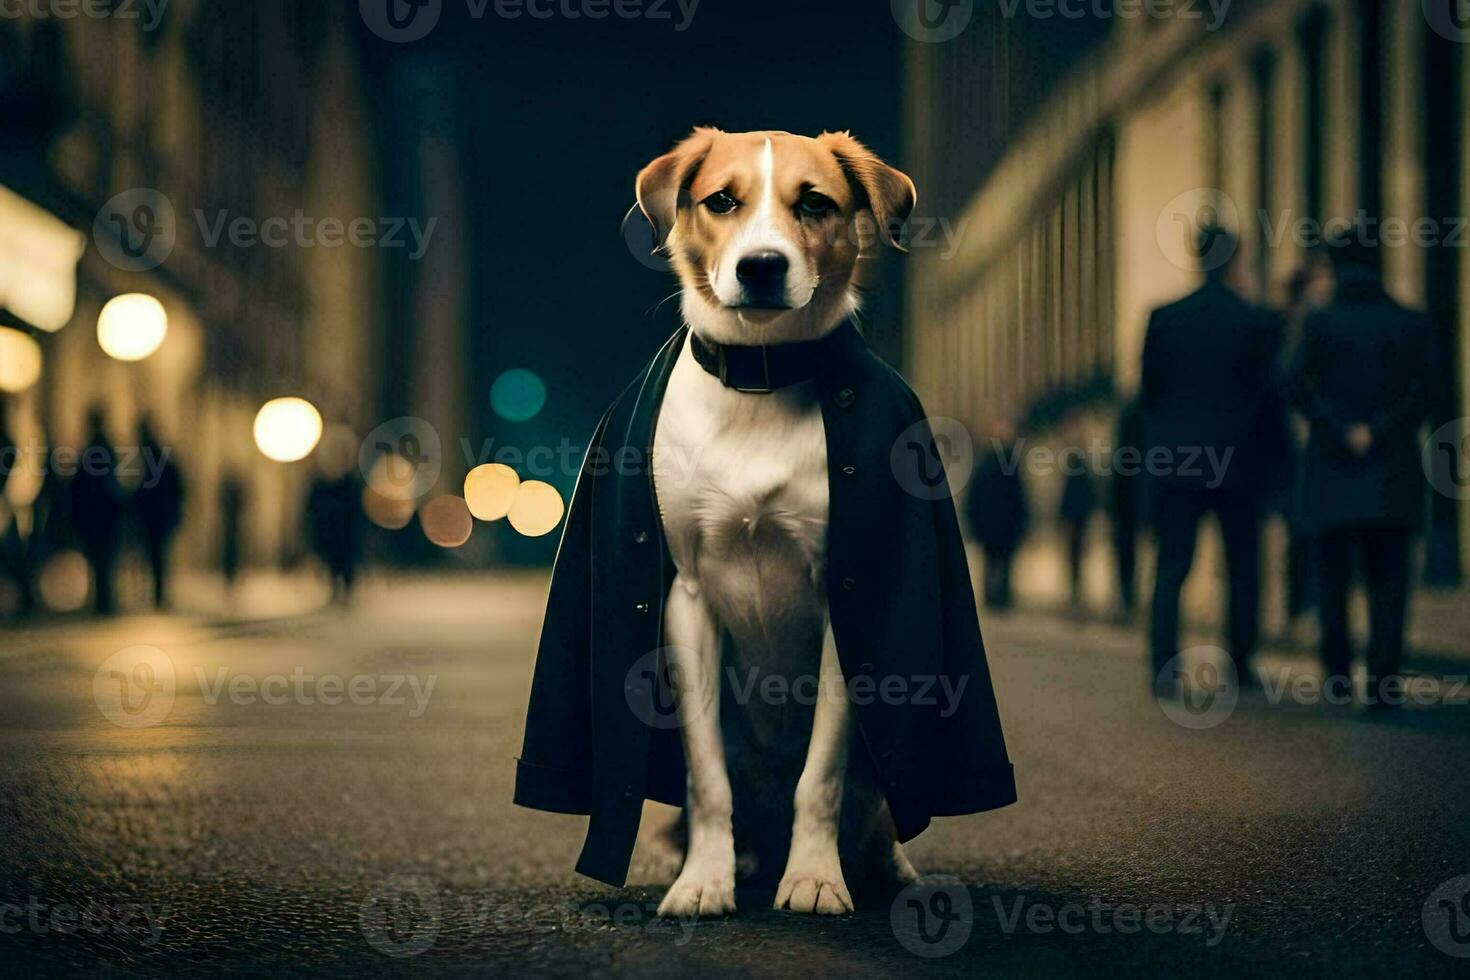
(1079, 500)
(1213, 426)
(1125, 506)
(97, 512)
(1310, 288)
(1363, 378)
(998, 514)
(160, 506)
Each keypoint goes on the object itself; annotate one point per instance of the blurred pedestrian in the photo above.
(232, 520)
(1125, 504)
(10, 539)
(1079, 501)
(1363, 377)
(97, 511)
(1211, 410)
(1309, 289)
(160, 506)
(998, 514)
(334, 514)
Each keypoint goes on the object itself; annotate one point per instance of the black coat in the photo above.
(901, 606)
(1209, 385)
(1364, 359)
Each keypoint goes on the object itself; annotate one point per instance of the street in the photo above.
(330, 794)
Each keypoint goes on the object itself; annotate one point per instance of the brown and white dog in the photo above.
(765, 231)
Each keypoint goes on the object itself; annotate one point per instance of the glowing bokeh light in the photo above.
(446, 521)
(490, 490)
(537, 509)
(20, 361)
(388, 513)
(132, 326)
(518, 395)
(65, 581)
(38, 263)
(287, 429)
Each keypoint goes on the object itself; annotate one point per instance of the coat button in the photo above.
(845, 398)
(849, 471)
(641, 537)
(867, 668)
(849, 584)
(642, 607)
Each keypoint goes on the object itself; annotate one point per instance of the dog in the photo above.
(766, 232)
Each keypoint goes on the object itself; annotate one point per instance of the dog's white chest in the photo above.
(741, 479)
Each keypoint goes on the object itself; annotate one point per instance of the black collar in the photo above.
(764, 369)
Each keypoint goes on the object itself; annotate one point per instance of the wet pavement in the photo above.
(329, 795)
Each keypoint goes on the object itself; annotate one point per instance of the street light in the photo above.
(20, 361)
(537, 509)
(287, 429)
(489, 490)
(132, 326)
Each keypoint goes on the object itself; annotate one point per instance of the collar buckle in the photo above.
(724, 373)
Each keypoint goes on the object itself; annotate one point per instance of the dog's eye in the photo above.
(816, 205)
(721, 203)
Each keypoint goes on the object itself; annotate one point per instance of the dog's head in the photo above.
(765, 229)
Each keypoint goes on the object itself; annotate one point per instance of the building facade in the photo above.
(1280, 119)
(214, 112)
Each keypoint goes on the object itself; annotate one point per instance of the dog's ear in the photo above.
(885, 191)
(661, 183)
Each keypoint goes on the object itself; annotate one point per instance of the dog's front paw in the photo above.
(703, 888)
(814, 885)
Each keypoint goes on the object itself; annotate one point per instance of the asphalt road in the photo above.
(357, 821)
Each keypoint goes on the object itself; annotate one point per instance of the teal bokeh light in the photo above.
(518, 395)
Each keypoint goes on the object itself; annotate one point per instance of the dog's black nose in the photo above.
(762, 272)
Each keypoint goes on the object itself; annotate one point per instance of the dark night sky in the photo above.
(554, 120)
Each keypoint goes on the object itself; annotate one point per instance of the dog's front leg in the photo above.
(706, 885)
(813, 880)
